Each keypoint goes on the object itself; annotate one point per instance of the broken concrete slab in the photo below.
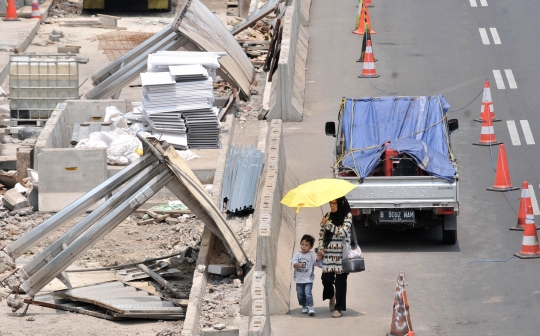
(14, 200)
(222, 269)
(227, 331)
(69, 49)
(8, 162)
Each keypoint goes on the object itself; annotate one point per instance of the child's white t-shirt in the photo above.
(305, 273)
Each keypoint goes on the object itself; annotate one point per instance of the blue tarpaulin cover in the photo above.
(412, 125)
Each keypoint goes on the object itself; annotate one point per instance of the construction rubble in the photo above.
(107, 242)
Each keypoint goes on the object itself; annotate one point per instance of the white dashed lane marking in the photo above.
(536, 210)
(529, 139)
(483, 3)
(473, 3)
(512, 129)
(498, 79)
(495, 34)
(510, 76)
(484, 36)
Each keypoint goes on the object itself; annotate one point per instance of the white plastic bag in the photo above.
(113, 115)
(187, 155)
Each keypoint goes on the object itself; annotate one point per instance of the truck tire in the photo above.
(449, 230)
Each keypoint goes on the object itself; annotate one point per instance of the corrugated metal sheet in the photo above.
(205, 29)
(122, 299)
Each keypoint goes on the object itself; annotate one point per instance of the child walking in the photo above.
(304, 263)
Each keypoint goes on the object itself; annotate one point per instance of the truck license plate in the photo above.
(396, 216)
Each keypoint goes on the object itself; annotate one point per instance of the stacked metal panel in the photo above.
(242, 170)
(178, 97)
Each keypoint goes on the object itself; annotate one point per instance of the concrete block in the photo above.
(58, 32)
(8, 162)
(54, 37)
(222, 269)
(69, 49)
(24, 161)
(14, 200)
(228, 331)
(67, 174)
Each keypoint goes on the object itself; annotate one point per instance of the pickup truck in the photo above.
(397, 151)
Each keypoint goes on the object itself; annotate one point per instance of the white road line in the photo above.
(512, 129)
(483, 3)
(496, 38)
(484, 36)
(536, 210)
(510, 76)
(527, 132)
(499, 79)
(473, 3)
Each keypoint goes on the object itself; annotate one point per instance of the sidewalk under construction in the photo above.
(133, 186)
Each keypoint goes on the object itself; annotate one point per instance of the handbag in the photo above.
(352, 260)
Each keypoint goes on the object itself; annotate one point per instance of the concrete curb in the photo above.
(289, 82)
(198, 289)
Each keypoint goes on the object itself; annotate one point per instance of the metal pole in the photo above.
(40, 232)
(104, 209)
(93, 235)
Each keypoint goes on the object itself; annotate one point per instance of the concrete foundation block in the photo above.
(24, 161)
(222, 269)
(66, 49)
(58, 32)
(14, 200)
(54, 37)
(69, 175)
(228, 331)
(8, 162)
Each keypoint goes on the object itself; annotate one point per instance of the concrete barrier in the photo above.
(289, 81)
(273, 233)
(259, 318)
(66, 173)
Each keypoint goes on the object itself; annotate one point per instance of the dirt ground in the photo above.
(129, 242)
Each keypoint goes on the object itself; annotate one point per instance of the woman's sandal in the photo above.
(336, 313)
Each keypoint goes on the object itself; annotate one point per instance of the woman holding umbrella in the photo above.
(334, 226)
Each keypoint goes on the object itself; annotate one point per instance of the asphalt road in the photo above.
(425, 48)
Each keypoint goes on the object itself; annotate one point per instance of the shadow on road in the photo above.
(375, 239)
(324, 312)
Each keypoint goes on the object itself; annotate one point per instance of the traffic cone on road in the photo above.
(369, 71)
(11, 11)
(486, 98)
(524, 203)
(36, 14)
(364, 18)
(401, 319)
(487, 134)
(529, 245)
(369, 4)
(367, 37)
(502, 174)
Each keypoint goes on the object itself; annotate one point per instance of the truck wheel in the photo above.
(449, 236)
(449, 230)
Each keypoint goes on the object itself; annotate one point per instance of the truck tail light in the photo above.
(444, 211)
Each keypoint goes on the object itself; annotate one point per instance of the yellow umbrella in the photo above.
(315, 193)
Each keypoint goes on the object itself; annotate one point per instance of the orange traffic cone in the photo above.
(36, 14)
(401, 319)
(364, 18)
(524, 203)
(368, 71)
(486, 98)
(11, 11)
(369, 4)
(367, 37)
(529, 245)
(487, 135)
(502, 174)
